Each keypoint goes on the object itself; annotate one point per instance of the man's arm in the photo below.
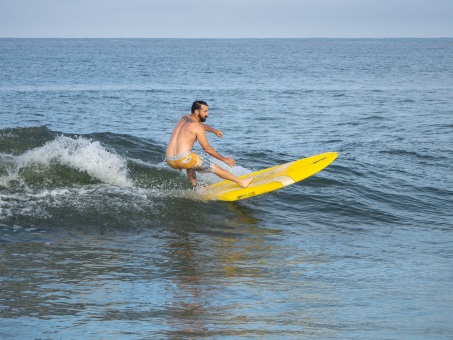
(218, 133)
(201, 136)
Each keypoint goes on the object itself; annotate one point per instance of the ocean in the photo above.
(100, 239)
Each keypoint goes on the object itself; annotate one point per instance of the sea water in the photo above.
(100, 239)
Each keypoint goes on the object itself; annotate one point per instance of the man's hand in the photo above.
(229, 161)
(218, 133)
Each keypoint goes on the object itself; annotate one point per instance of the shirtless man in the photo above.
(187, 131)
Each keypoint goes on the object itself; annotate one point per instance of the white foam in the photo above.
(42, 203)
(83, 155)
(210, 178)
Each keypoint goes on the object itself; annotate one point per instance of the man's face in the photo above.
(203, 113)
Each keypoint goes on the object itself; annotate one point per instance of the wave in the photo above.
(51, 177)
(63, 160)
(37, 158)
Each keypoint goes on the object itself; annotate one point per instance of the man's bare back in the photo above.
(183, 137)
(187, 131)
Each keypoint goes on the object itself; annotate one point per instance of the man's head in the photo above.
(200, 109)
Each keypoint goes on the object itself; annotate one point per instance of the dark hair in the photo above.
(196, 105)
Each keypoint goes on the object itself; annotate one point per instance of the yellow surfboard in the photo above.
(269, 179)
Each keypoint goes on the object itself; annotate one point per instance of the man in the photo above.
(187, 131)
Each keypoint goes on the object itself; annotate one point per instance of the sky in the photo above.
(226, 18)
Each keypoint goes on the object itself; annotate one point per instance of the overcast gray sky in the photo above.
(225, 18)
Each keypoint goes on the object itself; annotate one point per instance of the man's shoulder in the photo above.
(187, 119)
(193, 123)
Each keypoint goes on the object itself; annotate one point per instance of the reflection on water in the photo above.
(204, 282)
(240, 278)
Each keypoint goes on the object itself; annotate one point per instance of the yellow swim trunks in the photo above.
(190, 160)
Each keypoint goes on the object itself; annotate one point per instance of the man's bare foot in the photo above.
(246, 182)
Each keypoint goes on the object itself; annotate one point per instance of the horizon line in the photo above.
(231, 38)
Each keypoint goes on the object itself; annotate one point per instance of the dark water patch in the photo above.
(374, 118)
(18, 140)
(132, 147)
(408, 153)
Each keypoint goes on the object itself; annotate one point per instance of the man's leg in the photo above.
(229, 176)
(192, 176)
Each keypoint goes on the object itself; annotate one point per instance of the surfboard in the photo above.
(269, 179)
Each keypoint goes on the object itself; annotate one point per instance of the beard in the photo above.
(202, 119)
